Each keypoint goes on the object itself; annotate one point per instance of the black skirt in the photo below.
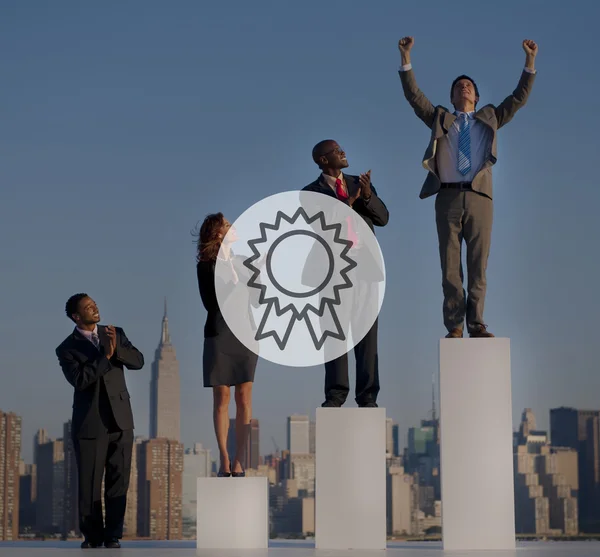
(227, 362)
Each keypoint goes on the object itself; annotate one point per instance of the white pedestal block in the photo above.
(350, 489)
(233, 513)
(476, 445)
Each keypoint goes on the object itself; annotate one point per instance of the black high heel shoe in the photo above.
(241, 474)
(222, 474)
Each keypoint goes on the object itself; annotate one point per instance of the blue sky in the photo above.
(124, 123)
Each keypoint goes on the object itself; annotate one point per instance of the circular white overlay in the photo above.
(300, 278)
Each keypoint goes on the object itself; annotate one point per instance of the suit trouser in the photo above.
(108, 455)
(463, 215)
(337, 385)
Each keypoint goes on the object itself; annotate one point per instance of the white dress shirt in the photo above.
(88, 334)
(446, 156)
(330, 181)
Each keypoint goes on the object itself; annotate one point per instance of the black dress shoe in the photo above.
(112, 544)
(90, 545)
(221, 474)
(331, 404)
(368, 405)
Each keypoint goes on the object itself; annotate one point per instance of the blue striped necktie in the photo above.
(464, 145)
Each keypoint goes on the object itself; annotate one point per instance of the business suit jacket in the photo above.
(98, 381)
(439, 119)
(374, 213)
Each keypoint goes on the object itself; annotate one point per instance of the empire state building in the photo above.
(165, 411)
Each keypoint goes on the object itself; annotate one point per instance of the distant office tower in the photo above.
(252, 455)
(396, 440)
(423, 455)
(160, 477)
(312, 437)
(165, 407)
(71, 512)
(10, 457)
(41, 438)
(580, 430)
(298, 434)
(254, 459)
(130, 524)
(27, 495)
(302, 470)
(546, 483)
(389, 437)
(50, 505)
(197, 463)
(402, 502)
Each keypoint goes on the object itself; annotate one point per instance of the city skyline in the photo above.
(165, 355)
(551, 480)
(114, 150)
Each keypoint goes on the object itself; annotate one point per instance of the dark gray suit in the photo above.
(374, 213)
(102, 427)
(463, 214)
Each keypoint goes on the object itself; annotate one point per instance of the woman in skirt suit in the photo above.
(226, 361)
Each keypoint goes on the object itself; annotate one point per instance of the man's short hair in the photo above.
(316, 152)
(72, 305)
(463, 77)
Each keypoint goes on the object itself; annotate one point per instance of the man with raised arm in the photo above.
(459, 158)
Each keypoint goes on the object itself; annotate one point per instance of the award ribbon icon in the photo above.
(284, 306)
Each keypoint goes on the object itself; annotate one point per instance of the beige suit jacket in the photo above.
(439, 119)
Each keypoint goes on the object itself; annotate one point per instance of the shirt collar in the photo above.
(330, 180)
(470, 115)
(88, 334)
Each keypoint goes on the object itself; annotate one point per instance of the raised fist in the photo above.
(530, 48)
(406, 44)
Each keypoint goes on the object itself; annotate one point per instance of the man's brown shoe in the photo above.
(455, 333)
(480, 331)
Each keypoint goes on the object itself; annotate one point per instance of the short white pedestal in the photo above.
(233, 513)
(350, 490)
(478, 510)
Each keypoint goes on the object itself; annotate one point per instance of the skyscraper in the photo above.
(50, 487)
(165, 410)
(298, 434)
(396, 439)
(71, 512)
(580, 430)
(160, 478)
(130, 524)
(27, 495)
(197, 463)
(389, 437)
(252, 455)
(40, 438)
(546, 482)
(10, 457)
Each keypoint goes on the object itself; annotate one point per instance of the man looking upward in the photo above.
(459, 158)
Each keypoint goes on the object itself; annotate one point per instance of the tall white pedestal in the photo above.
(233, 513)
(350, 506)
(476, 444)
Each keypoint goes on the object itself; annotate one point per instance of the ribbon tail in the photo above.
(277, 326)
(326, 325)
